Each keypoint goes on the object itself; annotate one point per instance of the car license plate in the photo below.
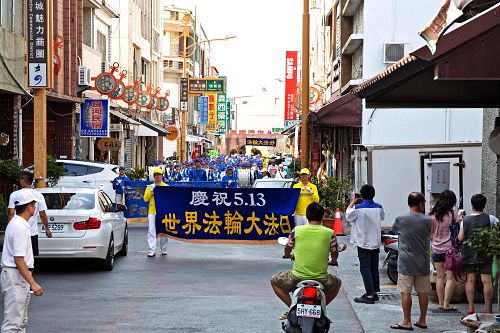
(307, 310)
(54, 227)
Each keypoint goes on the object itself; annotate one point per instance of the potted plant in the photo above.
(485, 242)
(333, 194)
(136, 173)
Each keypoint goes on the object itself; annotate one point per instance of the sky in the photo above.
(265, 29)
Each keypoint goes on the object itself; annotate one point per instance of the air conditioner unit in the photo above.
(84, 76)
(393, 52)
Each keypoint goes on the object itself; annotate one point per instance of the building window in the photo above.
(12, 15)
(102, 47)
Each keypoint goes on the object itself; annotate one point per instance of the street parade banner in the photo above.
(225, 215)
(137, 208)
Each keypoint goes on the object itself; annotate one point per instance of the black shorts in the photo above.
(478, 268)
(34, 245)
(438, 257)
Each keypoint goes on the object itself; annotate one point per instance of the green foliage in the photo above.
(485, 241)
(54, 171)
(333, 193)
(136, 173)
(10, 171)
(3, 213)
(294, 167)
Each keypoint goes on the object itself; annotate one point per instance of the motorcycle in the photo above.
(307, 313)
(391, 247)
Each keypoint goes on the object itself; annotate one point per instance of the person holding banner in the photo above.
(118, 185)
(312, 244)
(149, 197)
(308, 194)
(198, 174)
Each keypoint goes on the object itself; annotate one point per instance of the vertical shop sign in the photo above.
(203, 110)
(38, 43)
(290, 85)
(315, 152)
(212, 115)
(221, 113)
(94, 118)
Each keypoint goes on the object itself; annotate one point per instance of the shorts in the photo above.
(288, 282)
(34, 245)
(478, 268)
(406, 283)
(438, 257)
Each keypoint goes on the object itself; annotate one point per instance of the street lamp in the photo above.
(186, 19)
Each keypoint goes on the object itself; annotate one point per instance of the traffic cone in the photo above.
(337, 224)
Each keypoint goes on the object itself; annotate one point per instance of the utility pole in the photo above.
(304, 154)
(186, 19)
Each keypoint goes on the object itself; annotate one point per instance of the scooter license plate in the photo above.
(307, 310)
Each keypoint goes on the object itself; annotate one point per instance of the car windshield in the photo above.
(271, 184)
(69, 201)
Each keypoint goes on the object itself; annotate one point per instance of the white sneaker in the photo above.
(164, 252)
(151, 254)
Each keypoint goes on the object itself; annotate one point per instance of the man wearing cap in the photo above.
(149, 197)
(25, 181)
(17, 264)
(308, 194)
(118, 185)
(198, 174)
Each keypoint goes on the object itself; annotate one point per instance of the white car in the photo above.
(273, 183)
(79, 173)
(84, 224)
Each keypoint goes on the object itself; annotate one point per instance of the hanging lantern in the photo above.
(131, 93)
(106, 83)
(120, 89)
(163, 103)
(145, 97)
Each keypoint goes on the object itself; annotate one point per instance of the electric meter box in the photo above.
(440, 176)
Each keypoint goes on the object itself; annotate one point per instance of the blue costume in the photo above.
(118, 185)
(198, 175)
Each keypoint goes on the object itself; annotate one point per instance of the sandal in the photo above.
(284, 316)
(470, 311)
(450, 309)
(399, 327)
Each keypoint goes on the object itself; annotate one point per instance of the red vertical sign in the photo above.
(290, 85)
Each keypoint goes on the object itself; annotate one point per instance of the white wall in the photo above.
(396, 173)
(262, 111)
(399, 21)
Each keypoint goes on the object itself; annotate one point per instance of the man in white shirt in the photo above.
(366, 225)
(25, 180)
(17, 264)
(281, 173)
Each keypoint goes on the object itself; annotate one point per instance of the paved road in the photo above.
(196, 288)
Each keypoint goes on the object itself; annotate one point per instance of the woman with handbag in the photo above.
(474, 264)
(444, 221)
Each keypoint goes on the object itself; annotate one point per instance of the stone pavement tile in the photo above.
(378, 317)
(342, 315)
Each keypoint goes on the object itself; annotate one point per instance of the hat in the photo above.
(157, 170)
(24, 197)
(264, 170)
(305, 171)
(121, 168)
(229, 166)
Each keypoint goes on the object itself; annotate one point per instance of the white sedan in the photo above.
(273, 183)
(85, 224)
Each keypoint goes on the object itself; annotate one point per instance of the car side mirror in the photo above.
(121, 208)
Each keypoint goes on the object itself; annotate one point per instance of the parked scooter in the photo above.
(391, 246)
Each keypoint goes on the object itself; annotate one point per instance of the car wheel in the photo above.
(108, 263)
(392, 273)
(123, 252)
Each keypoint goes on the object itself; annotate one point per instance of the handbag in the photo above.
(453, 257)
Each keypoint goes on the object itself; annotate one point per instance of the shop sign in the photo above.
(111, 144)
(290, 85)
(38, 43)
(203, 110)
(94, 118)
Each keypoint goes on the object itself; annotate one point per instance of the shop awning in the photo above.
(160, 131)
(124, 117)
(198, 139)
(464, 72)
(344, 111)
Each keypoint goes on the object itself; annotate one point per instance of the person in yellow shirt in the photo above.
(149, 197)
(308, 194)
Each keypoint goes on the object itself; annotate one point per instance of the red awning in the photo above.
(344, 111)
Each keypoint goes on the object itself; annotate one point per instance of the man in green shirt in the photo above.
(312, 243)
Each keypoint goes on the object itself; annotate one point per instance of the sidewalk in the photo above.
(375, 318)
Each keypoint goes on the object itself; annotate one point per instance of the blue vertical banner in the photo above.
(94, 118)
(225, 215)
(204, 110)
